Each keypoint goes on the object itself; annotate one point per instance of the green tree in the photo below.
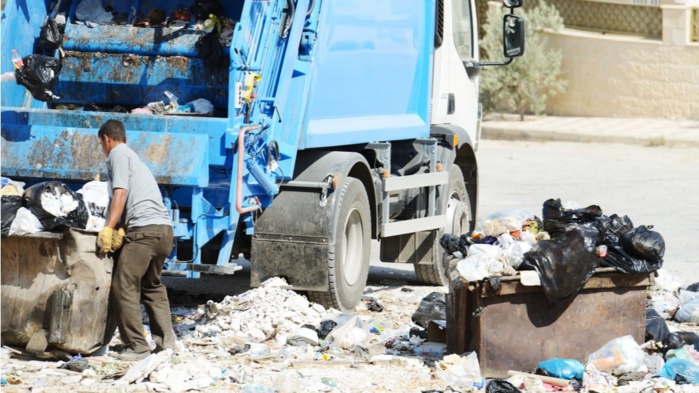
(525, 84)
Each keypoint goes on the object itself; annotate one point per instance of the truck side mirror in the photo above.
(513, 35)
(512, 3)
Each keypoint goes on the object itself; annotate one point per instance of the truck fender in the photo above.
(293, 235)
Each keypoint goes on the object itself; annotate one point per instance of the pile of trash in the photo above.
(52, 206)
(564, 249)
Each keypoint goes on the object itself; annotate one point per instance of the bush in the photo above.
(525, 84)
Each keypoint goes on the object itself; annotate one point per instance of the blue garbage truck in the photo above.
(331, 123)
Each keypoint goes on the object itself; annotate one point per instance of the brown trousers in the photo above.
(136, 278)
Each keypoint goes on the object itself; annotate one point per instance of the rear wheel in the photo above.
(458, 213)
(348, 258)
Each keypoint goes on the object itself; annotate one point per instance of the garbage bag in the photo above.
(96, 197)
(558, 219)
(431, 307)
(39, 75)
(562, 368)
(501, 386)
(656, 327)
(56, 206)
(619, 356)
(685, 369)
(10, 205)
(618, 258)
(50, 36)
(689, 307)
(676, 340)
(564, 265)
(643, 243)
(209, 49)
(25, 223)
(201, 9)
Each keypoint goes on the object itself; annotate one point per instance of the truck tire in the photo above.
(458, 217)
(348, 258)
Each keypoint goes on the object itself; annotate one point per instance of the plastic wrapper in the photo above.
(10, 205)
(39, 75)
(597, 381)
(689, 307)
(460, 371)
(56, 206)
(562, 368)
(619, 356)
(564, 265)
(50, 36)
(431, 307)
(349, 334)
(506, 221)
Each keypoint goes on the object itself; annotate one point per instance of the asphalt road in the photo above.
(652, 185)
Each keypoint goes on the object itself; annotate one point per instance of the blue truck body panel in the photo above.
(319, 75)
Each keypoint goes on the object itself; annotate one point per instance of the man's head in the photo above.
(111, 134)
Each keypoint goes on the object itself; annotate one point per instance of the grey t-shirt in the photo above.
(144, 203)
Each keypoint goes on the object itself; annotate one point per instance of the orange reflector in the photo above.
(456, 140)
(336, 179)
(439, 167)
(386, 174)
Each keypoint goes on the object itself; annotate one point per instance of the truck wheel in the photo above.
(458, 217)
(348, 258)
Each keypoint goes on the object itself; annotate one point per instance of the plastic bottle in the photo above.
(17, 59)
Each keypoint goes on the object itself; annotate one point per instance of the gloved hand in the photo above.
(118, 239)
(104, 240)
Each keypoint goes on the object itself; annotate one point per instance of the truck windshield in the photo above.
(463, 28)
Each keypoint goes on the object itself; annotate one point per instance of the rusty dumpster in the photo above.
(514, 328)
(55, 292)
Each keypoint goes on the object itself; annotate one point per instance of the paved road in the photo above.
(652, 185)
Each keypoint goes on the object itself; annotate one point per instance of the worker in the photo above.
(136, 205)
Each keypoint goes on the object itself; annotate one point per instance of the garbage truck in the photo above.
(331, 123)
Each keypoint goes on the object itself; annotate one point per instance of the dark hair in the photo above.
(114, 129)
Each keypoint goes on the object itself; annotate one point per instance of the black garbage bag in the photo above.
(56, 206)
(693, 287)
(209, 49)
(501, 386)
(431, 307)
(643, 243)
(50, 36)
(10, 205)
(558, 220)
(201, 9)
(676, 340)
(564, 264)
(656, 327)
(39, 75)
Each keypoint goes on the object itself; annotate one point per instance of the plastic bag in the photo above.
(209, 49)
(501, 386)
(643, 243)
(201, 9)
(619, 356)
(50, 36)
(674, 367)
(96, 198)
(200, 106)
(349, 334)
(25, 223)
(56, 206)
(93, 11)
(564, 265)
(460, 371)
(39, 75)
(563, 368)
(10, 205)
(618, 258)
(506, 221)
(689, 307)
(431, 307)
(558, 219)
(676, 340)
(656, 327)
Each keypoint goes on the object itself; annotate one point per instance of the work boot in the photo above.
(130, 356)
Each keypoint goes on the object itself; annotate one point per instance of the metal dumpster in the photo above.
(513, 327)
(55, 292)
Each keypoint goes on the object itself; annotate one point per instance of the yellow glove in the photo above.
(104, 240)
(118, 239)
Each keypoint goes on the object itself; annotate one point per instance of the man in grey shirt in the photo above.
(138, 206)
